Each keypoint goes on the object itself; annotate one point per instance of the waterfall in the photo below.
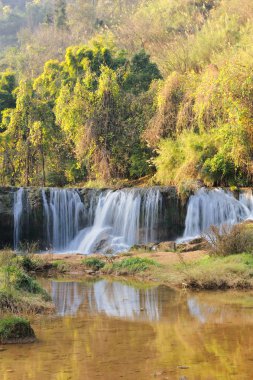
(17, 214)
(104, 221)
(215, 207)
(88, 221)
(123, 218)
(63, 211)
(246, 198)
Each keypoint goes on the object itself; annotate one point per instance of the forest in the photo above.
(102, 91)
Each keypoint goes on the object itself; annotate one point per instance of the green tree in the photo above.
(60, 15)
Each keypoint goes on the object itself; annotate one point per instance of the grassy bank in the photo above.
(193, 270)
(212, 273)
(212, 263)
(20, 293)
(185, 271)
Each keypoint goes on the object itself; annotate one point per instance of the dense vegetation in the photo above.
(95, 90)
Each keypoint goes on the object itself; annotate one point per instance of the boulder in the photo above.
(166, 246)
(16, 330)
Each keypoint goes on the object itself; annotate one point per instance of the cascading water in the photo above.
(246, 198)
(89, 221)
(105, 221)
(123, 218)
(17, 213)
(215, 207)
(63, 212)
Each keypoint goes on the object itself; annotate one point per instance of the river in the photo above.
(112, 330)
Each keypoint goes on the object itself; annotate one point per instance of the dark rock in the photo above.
(6, 216)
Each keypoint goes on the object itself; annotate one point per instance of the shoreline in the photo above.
(194, 270)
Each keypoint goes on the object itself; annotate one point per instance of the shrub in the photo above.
(227, 240)
(28, 264)
(60, 265)
(28, 247)
(15, 329)
(93, 263)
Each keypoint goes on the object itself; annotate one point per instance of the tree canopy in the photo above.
(95, 90)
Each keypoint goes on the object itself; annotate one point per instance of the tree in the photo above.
(60, 15)
(7, 86)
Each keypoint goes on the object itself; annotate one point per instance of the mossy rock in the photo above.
(16, 330)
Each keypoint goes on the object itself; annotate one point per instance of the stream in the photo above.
(112, 330)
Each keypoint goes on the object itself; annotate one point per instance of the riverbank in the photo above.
(20, 293)
(195, 270)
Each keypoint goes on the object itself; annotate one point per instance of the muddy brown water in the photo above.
(112, 330)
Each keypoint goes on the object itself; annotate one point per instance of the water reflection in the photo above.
(67, 297)
(200, 310)
(120, 300)
(123, 300)
(114, 299)
(208, 333)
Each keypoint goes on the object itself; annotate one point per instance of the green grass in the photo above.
(93, 263)
(15, 329)
(233, 271)
(131, 265)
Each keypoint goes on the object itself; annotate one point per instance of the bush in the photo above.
(93, 263)
(228, 240)
(28, 247)
(26, 283)
(28, 264)
(16, 330)
(131, 265)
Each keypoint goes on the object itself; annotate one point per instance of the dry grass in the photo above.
(227, 240)
(213, 272)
